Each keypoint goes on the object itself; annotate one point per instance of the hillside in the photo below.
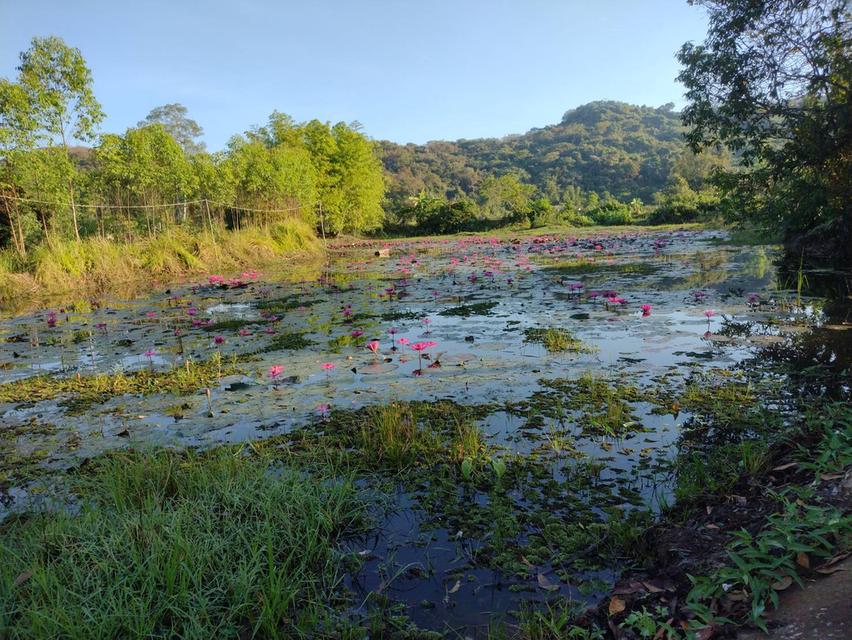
(627, 150)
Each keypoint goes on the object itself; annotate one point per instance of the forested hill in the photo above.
(629, 151)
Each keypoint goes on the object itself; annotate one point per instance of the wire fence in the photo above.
(50, 217)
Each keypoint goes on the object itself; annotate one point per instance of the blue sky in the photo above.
(409, 71)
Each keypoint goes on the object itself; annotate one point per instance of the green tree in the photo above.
(58, 85)
(772, 82)
(185, 130)
(505, 197)
(277, 178)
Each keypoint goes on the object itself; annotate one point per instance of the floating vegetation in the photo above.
(581, 267)
(287, 341)
(467, 310)
(556, 340)
(604, 407)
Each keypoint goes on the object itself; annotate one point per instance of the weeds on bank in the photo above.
(768, 562)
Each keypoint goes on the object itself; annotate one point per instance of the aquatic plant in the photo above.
(420, 347)
(556, 340)
(275, 371)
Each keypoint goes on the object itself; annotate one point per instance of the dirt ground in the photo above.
(820, 611)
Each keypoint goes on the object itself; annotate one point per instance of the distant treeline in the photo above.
(604, 163)
(157, 175)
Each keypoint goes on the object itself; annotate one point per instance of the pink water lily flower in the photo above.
(646, 309)
(420, 347)
(218, 340)
(373, 346)
(150, 353)
(244, 332)
(709, 313)
(328, 366)
(275, 371)
(322, 410)
(403, 341)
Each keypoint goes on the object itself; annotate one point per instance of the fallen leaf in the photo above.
(802, 560)
(546, 584)
(831, 476)
(629, 588)
(650, 586)
(783, 583)
(616, 606)
(784, 467)
(837, 558)
(827, 571)
(455, 587)
(710, 525)
(705, 634)
(22, 578)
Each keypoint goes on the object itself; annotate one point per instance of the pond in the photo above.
(543, 386)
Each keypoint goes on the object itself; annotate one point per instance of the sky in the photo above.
(408, 71)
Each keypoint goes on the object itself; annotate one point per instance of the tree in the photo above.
(63, 107)
(506, 197)
(772, 82)
(182, 128)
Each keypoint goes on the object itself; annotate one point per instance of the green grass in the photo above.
(180, 546)
(556, 340)
(86, 390)
(394, 437)
(98, 264)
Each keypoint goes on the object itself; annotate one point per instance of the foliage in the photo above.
(627, 150)
(758, 563)
(156, 176)
(771, 82)
(181, 127)
(678, 202)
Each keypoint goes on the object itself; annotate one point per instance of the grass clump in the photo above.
(87, 390)
(287, 341)
(179, 546)
(556, 340)
(397, 436)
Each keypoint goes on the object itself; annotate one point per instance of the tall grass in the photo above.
(179, 546)
(97, 263)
